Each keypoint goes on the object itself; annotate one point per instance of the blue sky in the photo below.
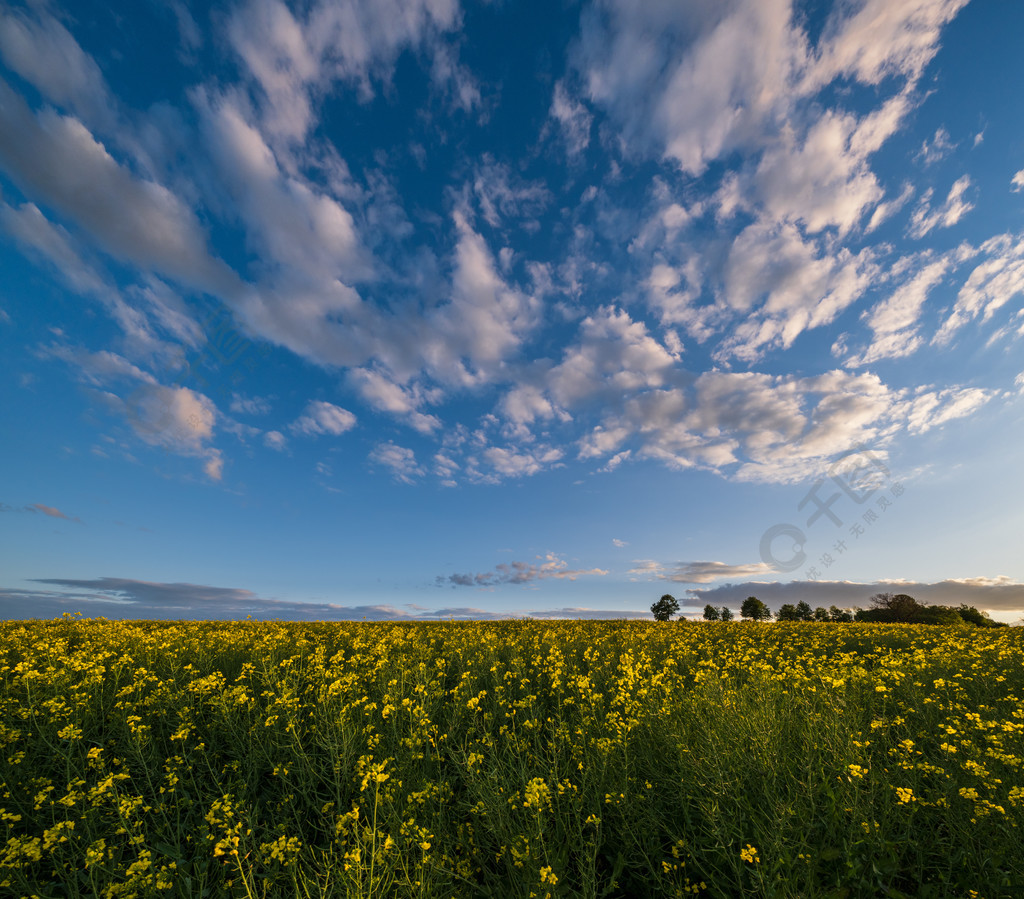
(427, 309)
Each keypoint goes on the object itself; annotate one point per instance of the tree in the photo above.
(893, 607)
(803, 612)
(787, 612)
(839, 615)
(755, 610)
(711, 613)
(726, 614)
(665, 607)
(821, 614)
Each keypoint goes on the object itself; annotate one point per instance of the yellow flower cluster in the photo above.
(514, 758)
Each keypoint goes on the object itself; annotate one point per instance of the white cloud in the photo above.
(936, 408)
(44, 53)
(275, 440)
(614, 355)
(802, 284)
(249, 405)
(36, 233)
(502, 194)
(56, 158)
(512, 463)
(467, 339)
(176, 419)
(698, 572)
(323, 418)
(1017, 182)
(991, 284)
(763, 428)
(888, 208)
(822, 180)
(550, 566)
(881, 39)
(936, 149)
(384, 394)
(401, 460)
(693, 81)
(614, 462)
(573, 119)
(926, 219)
(293, 57)
(894, 321)
(619, 543)
(51, 242)
(292, 223)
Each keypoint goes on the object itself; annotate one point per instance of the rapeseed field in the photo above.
(510, 759)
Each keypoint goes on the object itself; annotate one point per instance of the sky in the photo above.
(431, 309)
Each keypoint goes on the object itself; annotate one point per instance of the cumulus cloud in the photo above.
(400, 459)
(56, 158)
(323, 418)
(548, 566)
(292, 55)
(43, 52)
(782, 284)
(876, 39)
(758, 427)
(382, 393)
(249, 405)
(275, 440)
(503, 196)
(689, 84)
(995, 281)
(574, 121)
(697, 572)
(1017, 182)
(176, 419)
(937, 148)
(926, 219)
(141, 313)
(894, 321)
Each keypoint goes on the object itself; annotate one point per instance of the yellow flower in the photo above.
(749, 855)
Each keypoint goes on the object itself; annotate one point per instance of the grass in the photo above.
(510, 759)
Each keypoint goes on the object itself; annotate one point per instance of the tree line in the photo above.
(885, 607)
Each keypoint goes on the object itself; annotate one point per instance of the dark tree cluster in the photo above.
(885, 607)
(901, 608)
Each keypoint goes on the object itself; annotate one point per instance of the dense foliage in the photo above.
(510, 759)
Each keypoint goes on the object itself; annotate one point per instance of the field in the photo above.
(510, 759)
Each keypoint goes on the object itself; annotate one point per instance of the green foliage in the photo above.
(787, 612)
(895, 606)
(803, 612)
(838, 615)
(712, 613)
(665, 607)
(725, 614)
(979, 619)
(755, 610)
(901, 608)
